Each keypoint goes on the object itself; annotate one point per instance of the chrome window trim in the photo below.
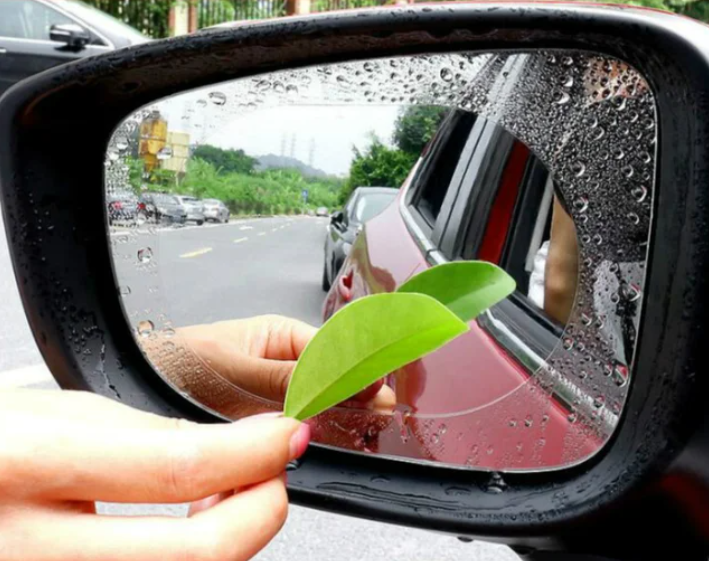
(563, 388)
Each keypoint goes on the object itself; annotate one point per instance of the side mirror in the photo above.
(73, 35)
(581, 127)
(337, 218)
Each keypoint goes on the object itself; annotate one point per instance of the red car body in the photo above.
(469, 403)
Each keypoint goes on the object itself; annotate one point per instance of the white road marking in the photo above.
(262, 233)
(240, 240)
(26, 376)
(246, 228)
(196, 253)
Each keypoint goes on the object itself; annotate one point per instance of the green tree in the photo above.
(415, 127)
(377, 166)
(228, 161)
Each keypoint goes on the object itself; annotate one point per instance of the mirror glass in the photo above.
(238, 211)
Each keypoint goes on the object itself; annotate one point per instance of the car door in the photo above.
(25, 46)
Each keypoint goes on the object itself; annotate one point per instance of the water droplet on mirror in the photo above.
(279, 88)
(586, 319)
(632, 292)
(446, 75)
(165, 153)
(578, 168)
(528, 422)
(113, 155)
(567, 61)
(145, 328)
(202, 103)
(598, 239)
(572, 418)
(291, 89)
(634, 218)
(639, 193)
(568, 343)
(217, 98)
(628, 171)
(124, 290)
(581, 204)
(567, 81)
(145, 255)
(620, 375)
(562, 98)
(496, 484)
(599, 401)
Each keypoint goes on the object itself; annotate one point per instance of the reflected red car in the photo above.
(485, 399)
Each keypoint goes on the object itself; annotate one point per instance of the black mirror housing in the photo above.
(73, 35)
(63, 266)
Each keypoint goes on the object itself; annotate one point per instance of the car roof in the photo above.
(373, 190)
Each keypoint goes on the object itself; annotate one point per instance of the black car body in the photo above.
(363, 204)
(38, 34)
(168, 208)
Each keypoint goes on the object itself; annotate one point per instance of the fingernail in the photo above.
(299, 441)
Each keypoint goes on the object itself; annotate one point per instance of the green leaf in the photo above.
(363, 342)
(467, 288)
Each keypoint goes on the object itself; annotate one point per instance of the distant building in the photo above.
(153, 138)
(179, 144)
(160, 148)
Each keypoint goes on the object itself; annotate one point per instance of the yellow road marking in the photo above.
(196, 253)
(240, 240)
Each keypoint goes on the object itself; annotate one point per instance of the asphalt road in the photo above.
(308, 535)
(215, 272)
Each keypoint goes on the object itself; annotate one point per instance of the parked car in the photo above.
(122, 208)
(193, 207)
(321, 211)
(215, 210)
(363, 204)
(38, 34)
(168, 208)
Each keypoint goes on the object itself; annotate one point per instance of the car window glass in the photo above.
(439, 165)
(369, 206)
(25, 19)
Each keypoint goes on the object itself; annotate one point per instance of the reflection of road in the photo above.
(308, 535)
(246, 268)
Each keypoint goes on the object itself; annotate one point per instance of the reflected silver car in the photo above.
(193, 208)
(216, 210)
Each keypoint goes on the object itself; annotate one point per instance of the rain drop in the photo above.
(165, 153)
(446, 75)
(578, 168)
(639, 193)
(145, 328)
(145, 255)
(217, 98)
(581, 204)
(561, 98)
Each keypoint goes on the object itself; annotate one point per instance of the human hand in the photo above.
(61, 451)
(259, 354)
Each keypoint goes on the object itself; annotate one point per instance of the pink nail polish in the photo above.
(299, 441)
